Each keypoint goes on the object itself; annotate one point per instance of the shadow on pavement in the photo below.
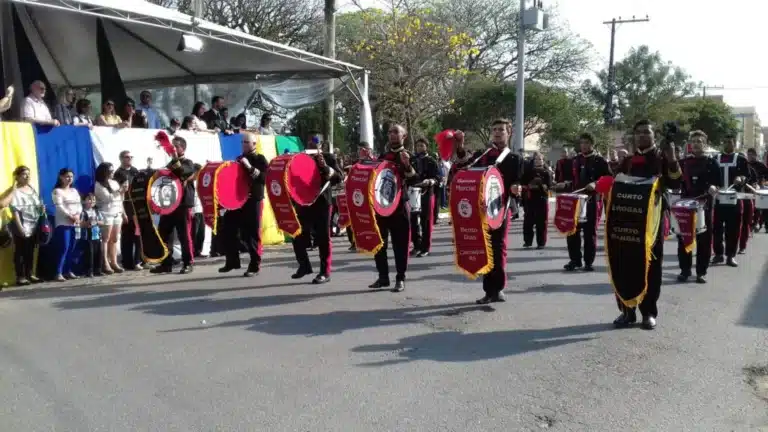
(584, 289)
(465, 347)
(756, 312)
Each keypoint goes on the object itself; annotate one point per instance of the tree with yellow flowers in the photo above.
(414, 61)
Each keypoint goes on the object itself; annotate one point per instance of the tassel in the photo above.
(165, 143)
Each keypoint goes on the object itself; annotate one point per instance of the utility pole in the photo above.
(608, 113)
(533, 19)
(704, 89)
(330, 52)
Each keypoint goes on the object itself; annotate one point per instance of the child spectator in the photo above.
(89, 237)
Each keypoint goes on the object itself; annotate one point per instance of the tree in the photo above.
(711, 116)
(414, 60)
(309, 121)
(646, 88)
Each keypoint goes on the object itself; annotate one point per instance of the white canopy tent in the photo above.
(144, 37)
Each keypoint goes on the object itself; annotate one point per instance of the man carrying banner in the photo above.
(422, 221)
(243, 226)
(398, 224)
(536, 181)
(701, 180)
(734, 172)
(510, 167)
(587, 166)
(316, 219)
(180, 220)
(648, 162)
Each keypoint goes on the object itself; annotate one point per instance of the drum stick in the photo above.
(325, 186)
(577, 191)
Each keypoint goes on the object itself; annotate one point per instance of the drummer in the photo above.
(701, 180)
(398, 224)
(564, 169)
(246, 221)
(760, 173)
(734, 171)
(537, 182)
(363, 154)
(179, 220)
(316, 218)
(422, 221)
(588, 166)
(510, 167)
(649, 161)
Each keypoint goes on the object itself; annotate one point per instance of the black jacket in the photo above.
(652, 163)
(185, 170)
(259, 168)
(330, 173)
(699, 173)
(126, 175)
(538, 182)
(428, 169)
(409, 175)
(588, 168)
(731, 166)
(511, 167)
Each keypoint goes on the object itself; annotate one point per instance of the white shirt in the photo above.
(28, 205)
(67, 202)
(36, 109)
(198, 203)
(109, 203)
(82, 119)
(199, 124)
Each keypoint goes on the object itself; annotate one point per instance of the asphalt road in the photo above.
(209, 353)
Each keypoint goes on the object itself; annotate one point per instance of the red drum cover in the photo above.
(494, 199)
(303, 179)
(387, 188)
(233, 185)
(164, 192)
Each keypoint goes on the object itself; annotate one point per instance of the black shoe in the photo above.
(352, 249)
(227, 269)
(423, 254)
(649, 323)
(186, 269)
(22, 282)
(625, 320)
(300, 273)
(742, 251)
(541, 246)
(589, 268)
(161, 269)
(527, 245)
(484, 300)
(251, 271)
(321, 279)
(683, 277)
(700, 280)
(572, 266)
(399, 287)
(718, 259)
(730, 262)
(380, 283)
(414, 252)
(501, 298)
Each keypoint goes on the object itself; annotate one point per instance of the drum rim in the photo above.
(287, 178)
(164, 172)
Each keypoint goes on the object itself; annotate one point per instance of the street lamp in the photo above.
(534, 19)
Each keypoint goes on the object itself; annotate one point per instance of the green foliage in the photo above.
(308, 122)
(713, 117)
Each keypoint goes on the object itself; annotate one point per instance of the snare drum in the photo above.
(297, 174)
(727, 197)
(674, 197)
(761, 199)
(478, 191)
(685, 208)
(414, 199)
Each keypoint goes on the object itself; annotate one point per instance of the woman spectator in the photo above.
(68, 209)
(63, 111)
(239, 123)
(82, 115)
(133, 118)
(198, 124)
(108, 116)
(26, 207)
(187, 123)
(109, 201)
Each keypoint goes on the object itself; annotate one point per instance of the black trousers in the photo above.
(535, 221)
(92, 258)
(648, 307)
(180, 222)
(495, 280)
(589, 228)
(242, 227)
(747, 219)
(422, 223)
(24, 255)
(315, 219)
(198, 233)
(350, 236)
(399, 227)
(703, 250)
(130, 245)
(727, 226)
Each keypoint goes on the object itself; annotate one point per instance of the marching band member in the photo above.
(316, 218)
(564, 169)
(243, 226)
(734, 170)
(537, 182)
(180, 220)
(649, 161)
(761, 175)
(423, 221)
(748, 205)
(701, 177)
(398, 225)
(510, 167)
(588, 166)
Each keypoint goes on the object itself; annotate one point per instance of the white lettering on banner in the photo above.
(466, 188)
(471, 252)
(469, 237)
(626, 209)
(359, 178)
(631, 239)
(629, 196)
(469, 230)
(626, 230)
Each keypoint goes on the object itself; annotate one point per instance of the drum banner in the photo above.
(567, 214)
(471, 234)
(633, 219)
(153, 250)
(686, 221)
(279, 196)
(164, 192)
(341, 202)
(206, 191)
(362, 214)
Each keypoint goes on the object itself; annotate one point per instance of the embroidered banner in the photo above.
(360, 187)
(569, 210)
(279, 195)
(153, 249)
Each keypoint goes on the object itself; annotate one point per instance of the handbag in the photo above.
(44, 229)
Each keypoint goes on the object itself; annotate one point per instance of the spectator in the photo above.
(214, 118)
(187, 123)
(130, 244)
(239, 123)
(89, 239)
(82, 115)
(175, 125)
(108, 117)
(35, 109)
(5, 102)
(265, 127)
(109, 201)
(198, 113)
(133, 118)
(145, 105)
(68, 209)
(65, 108)
(26, 207)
